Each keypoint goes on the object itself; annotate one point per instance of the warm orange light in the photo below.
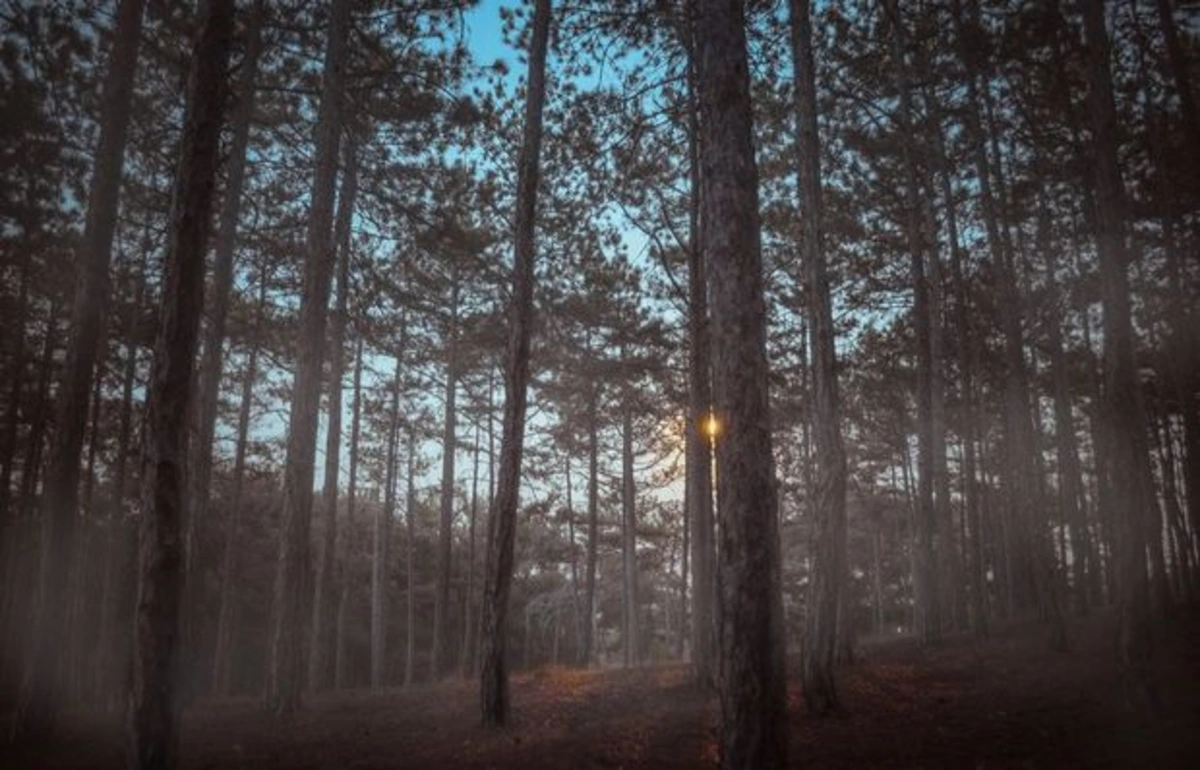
(711, 427)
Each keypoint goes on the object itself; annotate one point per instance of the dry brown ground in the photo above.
(1005, 703)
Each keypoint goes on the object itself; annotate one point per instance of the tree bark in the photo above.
(293, 578)
(40, 699)
(629, 570)
(410, 560)
(467, 655)
(208, 386)
(494, 696)
(829, 492)
(347, 556)
(381, 536)
(441, 646)
(593, 508)
(154, 711)
(326, 558)
(926, 615)
(752, 732)
(698, 446)
(1123, 406)
(227, 612)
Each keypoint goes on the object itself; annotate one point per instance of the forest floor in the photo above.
(1007, 702)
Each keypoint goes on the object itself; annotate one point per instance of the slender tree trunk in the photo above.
(381, 536)
(467, 655)
(928, 623)
(40, 699)
(410, 580)
(1123, 406)
(829, 492)
(1070, 482)
(120, 582)
(347, 557)
(16, 343)
(576, 625)
(154, 711)
(441, 647)
(629, 570)
(502, 524)
(227, 611)
(593, 507)
(326, 558)
(208, 386)
(293, 578)
(751, 686)
(698, 447)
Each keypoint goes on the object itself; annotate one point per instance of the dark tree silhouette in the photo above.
(502, 522)
(293, 583)
(41, 696)
(751, 683)
(154, 706)
(829, 498)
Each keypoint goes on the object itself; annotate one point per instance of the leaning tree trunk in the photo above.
(40, 699)
(293, 581)
(441, 601)
(751, 685)
(326, 561)
(1122, 401)
(829, 493)
(502, 526)
(154, 711)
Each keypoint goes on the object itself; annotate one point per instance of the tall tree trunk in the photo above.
(326, 558)
(293, 578)
(467, 655)
(752, 730)
(227, 608)
(381, 536)
(208, 386)
(1123, 406)
(973, 604)
(347, 556)
(40, 699)
(593, 512)
(441, 646)
(928, 623)
(629, 571)
(120, 585)
(698, 446)
(577, 625)
(502, 524)
(1070, 480)
(829, 493)
(154, 711)
(16, 344)
(410, 559)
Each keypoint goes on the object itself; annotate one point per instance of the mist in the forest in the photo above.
(672, 384)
